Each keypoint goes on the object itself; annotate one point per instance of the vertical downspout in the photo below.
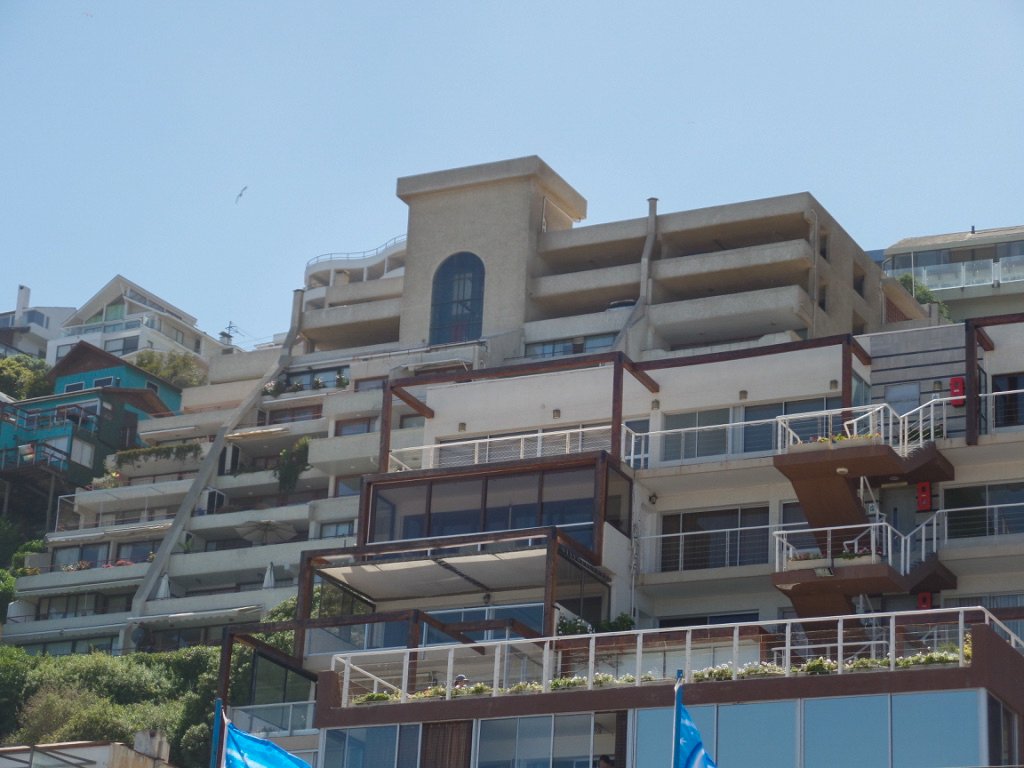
(645, 257)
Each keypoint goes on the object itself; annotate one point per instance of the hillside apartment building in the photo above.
(726, 424)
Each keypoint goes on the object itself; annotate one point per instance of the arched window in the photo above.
(457, 301)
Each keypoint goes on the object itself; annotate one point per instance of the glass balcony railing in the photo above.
(778, 648)
(964, 274)
(285, 719)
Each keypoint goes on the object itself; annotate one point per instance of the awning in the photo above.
(444, 576)
(186, 618)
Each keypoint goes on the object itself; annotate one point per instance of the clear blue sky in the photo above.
(127, 128)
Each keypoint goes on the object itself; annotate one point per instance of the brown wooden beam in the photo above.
(413, 402)
(652, 386)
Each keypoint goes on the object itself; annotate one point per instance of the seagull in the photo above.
(239, 196)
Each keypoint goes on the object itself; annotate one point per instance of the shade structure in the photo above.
(261, 532)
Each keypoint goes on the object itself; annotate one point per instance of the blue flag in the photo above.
(687, 746)
(242, 750)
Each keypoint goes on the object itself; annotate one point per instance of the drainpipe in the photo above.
(645, 257)
(205, 474)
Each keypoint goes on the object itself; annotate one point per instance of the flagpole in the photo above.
(678, 703)
(217, 738)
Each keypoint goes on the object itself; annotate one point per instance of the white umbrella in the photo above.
(268, 578)
(163, 591)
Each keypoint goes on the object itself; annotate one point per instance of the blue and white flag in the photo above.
(687, 745)
(243, 750)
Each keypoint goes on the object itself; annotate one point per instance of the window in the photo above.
(63, 349)
(984, 510)
(153, 387)
(104, 381)
(691, 440)
(761, 437)
(79, 558)
(457, 300)
(1009, 407)
(137, 551)
(370, 384)
(291, 415)
(573, 346)
(121, 346)
(714, 539)
(332, 530)
(363, 426)
(74, 386)
(411, 421)
(347, 486)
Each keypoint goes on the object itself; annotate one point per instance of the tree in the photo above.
(24, 376)
(179, 368)
(923, 294)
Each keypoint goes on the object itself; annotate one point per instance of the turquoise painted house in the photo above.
(51, 445)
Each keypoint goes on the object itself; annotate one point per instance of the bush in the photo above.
(14, 668)
(122, 679)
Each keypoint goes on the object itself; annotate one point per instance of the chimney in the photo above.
(152, 744)
(226, 338)
(24, 294)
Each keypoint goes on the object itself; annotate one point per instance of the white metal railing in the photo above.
(782, 648)
(353, 255)
(964, 274)
(503, 448)
(1003, 410)
(699, 550)
(284, 719)
(878, 540)
(875, 422)
(841, 544)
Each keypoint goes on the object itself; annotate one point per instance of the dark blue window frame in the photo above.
(457, 301)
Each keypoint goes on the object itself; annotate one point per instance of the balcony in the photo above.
(286, 719)
(752, 268)
(678, 553)
(357, 266)
(898, 642)
(715, 319)
(355, 325)
(533, 445)
(17, 628)
(233, 563)
(962, 274)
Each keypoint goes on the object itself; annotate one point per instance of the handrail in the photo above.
(353, 255)
(527, 445)
(775, 647)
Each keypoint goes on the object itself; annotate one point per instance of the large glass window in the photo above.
(693, 438)
(566, 498)
(1009, 409)
(714, 538)
(938, 728)
(775, 726)
(384, 746)
(457, 301)
(984, 510)
(870, 713)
